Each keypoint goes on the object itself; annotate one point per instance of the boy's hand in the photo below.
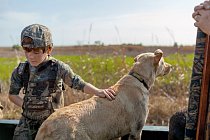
(106, 93)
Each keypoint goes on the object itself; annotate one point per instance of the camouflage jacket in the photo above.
(38, 98)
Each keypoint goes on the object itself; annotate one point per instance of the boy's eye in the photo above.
(27, 49)
(35, 50)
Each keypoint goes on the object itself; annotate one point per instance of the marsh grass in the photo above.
(168, 95)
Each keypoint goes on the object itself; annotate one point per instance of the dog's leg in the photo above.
(126, 137)
(134, 137)
(136, 132)
(116, 139)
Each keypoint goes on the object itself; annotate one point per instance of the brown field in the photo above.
(162, 105)
(129, 50)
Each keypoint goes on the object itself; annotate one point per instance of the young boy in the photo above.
(41, 78)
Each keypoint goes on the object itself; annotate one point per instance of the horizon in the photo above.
(150, 23)
(110, 45)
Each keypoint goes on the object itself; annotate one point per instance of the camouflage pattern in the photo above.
(40, 34)
(26, 129)
(177, 126)
(195, 87)
(39, 101)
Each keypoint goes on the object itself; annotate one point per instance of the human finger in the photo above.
(196, 24)
(199, 7)
(206, 5)
(110, 94)
(112, 91)
(197, 18)
(195, 14)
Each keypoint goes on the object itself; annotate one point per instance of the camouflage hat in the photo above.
(40, 35)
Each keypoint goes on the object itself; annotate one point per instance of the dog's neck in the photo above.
(139, 77)
(148, 77)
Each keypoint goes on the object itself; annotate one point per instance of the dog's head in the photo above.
(151, 65)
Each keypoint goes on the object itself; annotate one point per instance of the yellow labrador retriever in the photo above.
(100, 119)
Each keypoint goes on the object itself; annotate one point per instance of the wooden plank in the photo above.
(208, 120)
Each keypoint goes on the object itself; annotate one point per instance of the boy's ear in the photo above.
(49, 50)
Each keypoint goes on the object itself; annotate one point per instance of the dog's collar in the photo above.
(137, 76)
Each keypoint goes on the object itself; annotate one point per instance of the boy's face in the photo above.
(36, 56)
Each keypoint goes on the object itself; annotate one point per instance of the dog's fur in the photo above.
(100, 119)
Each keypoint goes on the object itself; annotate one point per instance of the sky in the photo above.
(80, 22)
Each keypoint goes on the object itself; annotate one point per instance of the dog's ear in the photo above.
(158, 55)
(136, 58)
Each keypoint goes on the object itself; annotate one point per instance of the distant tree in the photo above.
(139, 44)
(98, 42)
(16, 47)
(175, 44)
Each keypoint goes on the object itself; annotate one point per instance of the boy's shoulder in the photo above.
(21, 67)
(59, 62)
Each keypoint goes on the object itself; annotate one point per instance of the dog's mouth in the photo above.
(168, 69)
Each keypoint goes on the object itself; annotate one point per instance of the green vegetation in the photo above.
(6, 68)
(177, 81)
(16, 47)
(104, 71)
(168, 95)
(101, 71)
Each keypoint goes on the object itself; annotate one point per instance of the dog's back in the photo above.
(89, 118)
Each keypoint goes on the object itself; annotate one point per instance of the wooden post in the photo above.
(201, 133)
